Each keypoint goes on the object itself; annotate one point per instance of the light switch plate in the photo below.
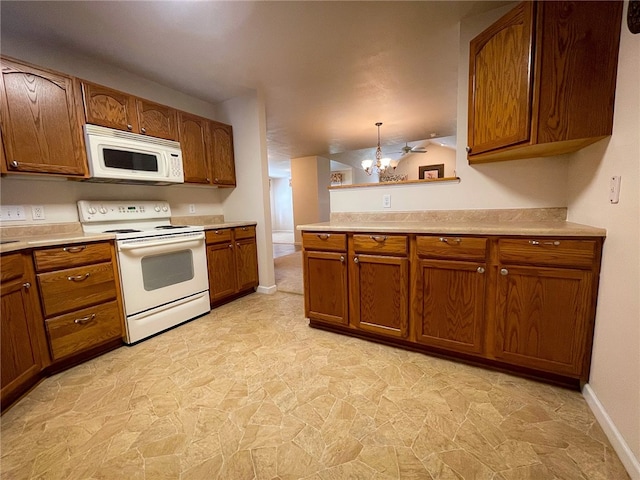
(10, 213)
(614, 189)
(386, 201)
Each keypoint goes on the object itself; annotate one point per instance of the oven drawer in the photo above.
(222, 235)
(80, 330)
(73, 288)
(245, 232)
(71, 255)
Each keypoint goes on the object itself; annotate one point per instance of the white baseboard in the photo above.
(618, 443)
(267, 290)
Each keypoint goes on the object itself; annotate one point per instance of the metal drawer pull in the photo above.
(378, 238)
(143, 130)
(14, 164)
(355, 260)
(504, 271)
(480, 270)
(449, 240)
(323, 236)
(75, 249)
(83, 320)
(78, 278)
(244, 229)
(231, 245)
(218, 232)
(341, 258)
(536, 242)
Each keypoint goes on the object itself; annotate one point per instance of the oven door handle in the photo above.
(187, 243)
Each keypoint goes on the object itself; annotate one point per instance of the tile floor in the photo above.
(250, 391)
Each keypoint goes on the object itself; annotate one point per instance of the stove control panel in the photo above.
(112, 211)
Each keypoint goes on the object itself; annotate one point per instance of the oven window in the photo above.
(125, 160)
(159, 271)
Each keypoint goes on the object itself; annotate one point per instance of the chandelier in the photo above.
(381, 164)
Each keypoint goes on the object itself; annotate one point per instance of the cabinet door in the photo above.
(157, 120)
(20, 360)
(379, 294)
(40, 127)
(500, 82)
(222, 270)
(543, 318)
(325, 287)
(451, 309)
(222, 159)
(109, 108)
(192, 132)
(247, 263)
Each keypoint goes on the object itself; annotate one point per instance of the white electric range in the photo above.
(162, 267)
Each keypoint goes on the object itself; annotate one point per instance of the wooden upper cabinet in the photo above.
(40, 128)
(109, 108)
(222, 160)
(542, 80)
(193, 134)
(157, 120)
(114, 109)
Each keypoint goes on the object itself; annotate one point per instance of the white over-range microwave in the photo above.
(115, 156)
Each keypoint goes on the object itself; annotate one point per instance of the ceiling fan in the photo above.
(407, 149)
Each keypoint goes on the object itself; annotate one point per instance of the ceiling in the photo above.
(328, 70)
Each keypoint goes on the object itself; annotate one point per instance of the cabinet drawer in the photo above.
(380, 244)
(12, 267)
(545, 251)
(463, 248)
(80, 330)
(71, 255)
(336, 242)
(73, 288)
(245, 232)
(222, 235)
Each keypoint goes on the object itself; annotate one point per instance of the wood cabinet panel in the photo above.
(543, 317)
(380, 244)
(325, 287)
(379, 294)
(157, 120)
(548, 251)
(12, 267)
(247, 263)
(83, 329)
(66, 290)
(452, 302)
(193, 135)
(222, 271)
(334, 242)
(71, 256)
(453, 247)
(245, 232)
(40, 128)
(223, 235)
(222, 155)
(109, 108)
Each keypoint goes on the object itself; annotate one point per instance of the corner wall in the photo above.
(310, 179)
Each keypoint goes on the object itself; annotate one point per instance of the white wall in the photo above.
(281, 204)
(250, 199)
(436, 154)
(615, 367)
(310, 178)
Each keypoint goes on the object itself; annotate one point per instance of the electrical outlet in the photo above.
(386, 201)
(192, 208)
(37, 212)
(10, 213)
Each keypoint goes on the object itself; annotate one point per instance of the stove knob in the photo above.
(156, 208)
(165, 208)
(103, 210)
(92, 211)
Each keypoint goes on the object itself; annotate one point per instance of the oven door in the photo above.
(155, 271)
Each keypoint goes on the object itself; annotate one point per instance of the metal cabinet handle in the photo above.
(355, 260)
(75, 249)
(323, 236)
(341, 258)
(231, 245)
(555, 243)
(480, 270)
(78, 278)
(237, 244)
(468, 149)
(450, 240)
(26, 285)
(84, 320)
(378, 238)
(504, 271)
(208, 180)
(129, 126)
(14, 164)
(143, 130)
(244, 229)
(215, 180)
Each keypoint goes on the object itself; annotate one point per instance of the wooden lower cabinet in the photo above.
(232, 258)
(520, 304)
(21, 333)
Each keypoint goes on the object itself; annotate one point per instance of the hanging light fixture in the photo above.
(381, 164)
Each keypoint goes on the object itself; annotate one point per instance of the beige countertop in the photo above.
(33, 237)
(463, 227)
